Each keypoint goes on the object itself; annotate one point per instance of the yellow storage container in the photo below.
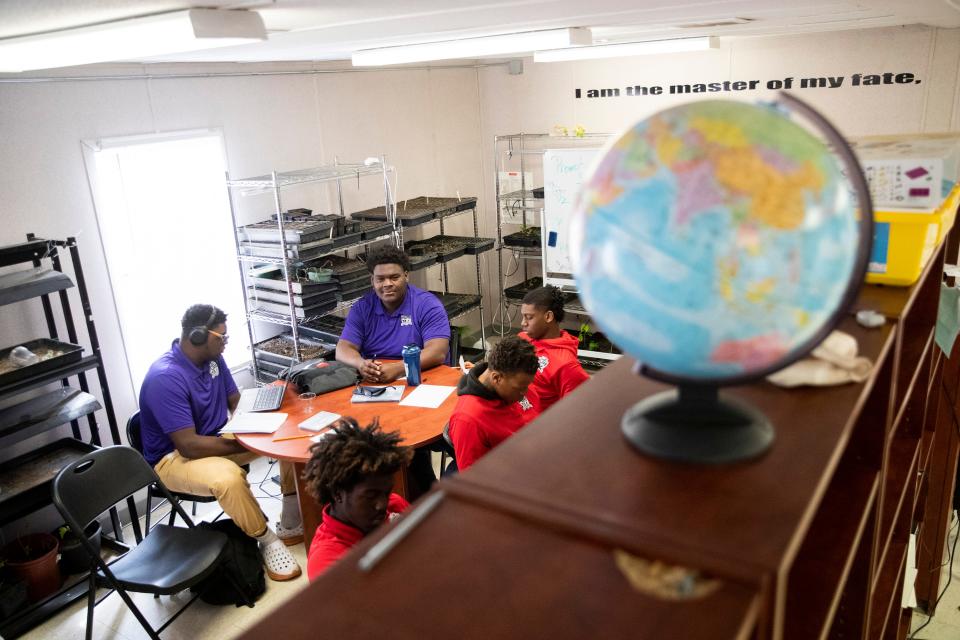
(903, 241)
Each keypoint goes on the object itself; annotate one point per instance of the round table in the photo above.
(417, 426)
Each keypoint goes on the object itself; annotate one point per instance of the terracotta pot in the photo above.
(33, 559)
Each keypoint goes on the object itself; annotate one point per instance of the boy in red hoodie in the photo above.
(558, 370)
(350, 472)
(492, 405)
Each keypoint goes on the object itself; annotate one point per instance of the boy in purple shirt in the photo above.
(184, 401)
(394, 314)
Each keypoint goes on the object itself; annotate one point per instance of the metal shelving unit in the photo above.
(25, 480)
(273, 184)
(523, 152)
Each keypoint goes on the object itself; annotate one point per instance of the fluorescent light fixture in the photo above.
(626, 49)
(131, 39)
(505, 44)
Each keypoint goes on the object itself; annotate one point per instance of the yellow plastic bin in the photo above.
(903, 241)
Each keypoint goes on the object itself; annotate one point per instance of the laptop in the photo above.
(266, 398)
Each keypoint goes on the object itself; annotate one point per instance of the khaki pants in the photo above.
(223, 478)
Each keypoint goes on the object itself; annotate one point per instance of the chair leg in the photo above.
(136, 612)
(193, 511)
(173, 515)
(91, 600)
(149, 513)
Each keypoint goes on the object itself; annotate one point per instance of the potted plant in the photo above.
(73, 557)
(33, 559)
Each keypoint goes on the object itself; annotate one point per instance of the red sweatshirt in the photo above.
(481, 420)
(559, 371)
(335, 538)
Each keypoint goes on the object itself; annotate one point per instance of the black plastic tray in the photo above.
(419, 210)
(70, 353)
(25, 480)
(299, 231)
(324, 328)
(471, 245)
(310, 348)
(346, 239)
(343, 268)
(374, 229)
(517, 291)
(520, 239)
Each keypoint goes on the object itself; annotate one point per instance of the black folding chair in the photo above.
(167, 561)
(136, 441)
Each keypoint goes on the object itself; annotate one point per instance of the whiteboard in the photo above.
(564, 171)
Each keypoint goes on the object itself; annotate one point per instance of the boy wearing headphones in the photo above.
(185, 399)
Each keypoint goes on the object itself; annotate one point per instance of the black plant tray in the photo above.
(419, 210)
(301, 252)
(69, 353)
(343, 268)
(422, 260)
(517, 291)
(472, 246)
(355, 292)
(456, 303)
(521, 239)
(445, 248)
(346, 239)
(300, 231)
(374, 229)
(266, 295)
(279, 349)
(273, 280)
(301, 313)
(324, 328)
(25, 480)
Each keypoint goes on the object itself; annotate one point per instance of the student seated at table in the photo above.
(184, 401)
(558, 370)
(493, 403)
(394, 314)
(350, 472)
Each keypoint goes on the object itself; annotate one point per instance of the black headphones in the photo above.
(198, 335)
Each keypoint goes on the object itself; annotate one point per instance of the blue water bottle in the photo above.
(411, 363)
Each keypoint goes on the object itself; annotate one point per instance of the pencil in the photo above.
(296, 437)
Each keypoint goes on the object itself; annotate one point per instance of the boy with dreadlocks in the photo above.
(351, 472)
(493, 402)
(558, 370)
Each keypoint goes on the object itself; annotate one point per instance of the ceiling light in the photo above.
(505, 44)
(626, 49)
(132, 39)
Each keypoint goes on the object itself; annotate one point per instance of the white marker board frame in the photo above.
(564, 171)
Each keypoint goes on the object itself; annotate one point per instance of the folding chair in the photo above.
(167, 561)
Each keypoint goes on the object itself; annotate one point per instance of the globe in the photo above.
(719, 241)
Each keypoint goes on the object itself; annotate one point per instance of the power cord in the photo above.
(266, 477)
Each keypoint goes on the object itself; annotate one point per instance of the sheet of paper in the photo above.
(430, 396)
(254, 423)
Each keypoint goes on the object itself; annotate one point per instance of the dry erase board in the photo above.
(564, 171)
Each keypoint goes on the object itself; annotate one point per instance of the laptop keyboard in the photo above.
(268, 398)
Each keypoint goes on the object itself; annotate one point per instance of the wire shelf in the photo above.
(328, 173)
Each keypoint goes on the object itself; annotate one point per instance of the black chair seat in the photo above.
(166, 561)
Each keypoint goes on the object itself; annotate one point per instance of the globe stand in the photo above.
(693, 424)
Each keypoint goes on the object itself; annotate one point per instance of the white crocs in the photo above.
(278, 562)
(291, 536)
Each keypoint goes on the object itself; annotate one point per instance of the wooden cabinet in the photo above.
(810, 541)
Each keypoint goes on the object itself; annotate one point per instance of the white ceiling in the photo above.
(300, 30)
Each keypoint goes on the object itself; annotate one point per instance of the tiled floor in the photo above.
(112, 619)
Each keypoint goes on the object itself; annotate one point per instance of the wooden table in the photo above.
(417, 427)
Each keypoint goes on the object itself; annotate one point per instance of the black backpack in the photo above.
(243, 562)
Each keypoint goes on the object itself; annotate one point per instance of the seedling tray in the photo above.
(301, 252)
(374, 229)
(343, 268)
(517, 291)
(420, 258)
(301, 313)
(53, 355)
(273, 280)
(25, 480)
(520, 239)
(327, 326)
(472, 246)
(346, 239)
(259, 295)
(355, 291)
(299, 231)
(279, 349)
(420, 210)
(445, 248)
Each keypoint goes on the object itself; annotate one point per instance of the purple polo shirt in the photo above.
(420, 317)
(177, 394)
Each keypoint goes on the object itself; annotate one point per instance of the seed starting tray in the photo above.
(456, 303)
(255, 295)
(445, 248)
(472, 246)
(517, 291)
(343, 268)
(279, 349)
(529, 239)
(300, 252)
(296, 231)
(374, 229)
(420, 210)
(273, 280)
(300, 313)
(331, 326)
(64, 354)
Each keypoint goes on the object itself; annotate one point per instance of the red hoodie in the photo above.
(481, 420)
(559, 371)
